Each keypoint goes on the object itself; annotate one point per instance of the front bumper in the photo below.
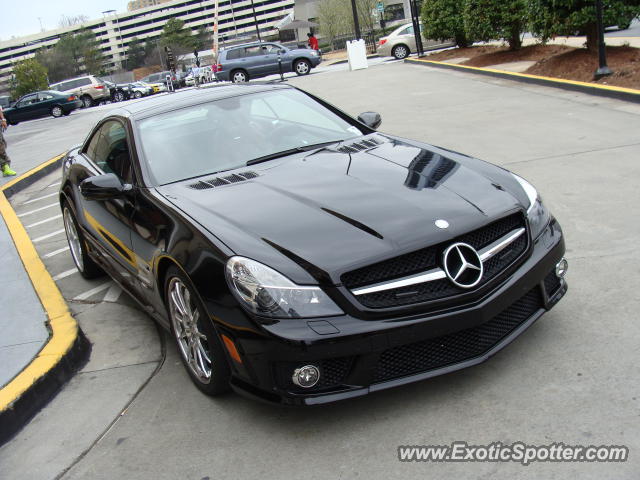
(357, 356)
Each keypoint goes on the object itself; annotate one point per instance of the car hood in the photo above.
(314, 216)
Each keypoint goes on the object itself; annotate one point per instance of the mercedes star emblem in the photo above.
(462, 265)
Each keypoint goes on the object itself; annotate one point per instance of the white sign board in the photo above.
(357, 53)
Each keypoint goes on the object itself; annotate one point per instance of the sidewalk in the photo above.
(41, 344)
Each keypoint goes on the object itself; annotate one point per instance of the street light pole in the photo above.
(255, 19)
(603, 70)
(356, 23)
(415, 19)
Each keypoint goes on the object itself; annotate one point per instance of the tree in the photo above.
(135, 54)
(334, 17)
(66, 21)
(202, 40)
(443, 19)
(496, 20)
(177, 37)
(74, 54)
(568, 17)
(30, 76)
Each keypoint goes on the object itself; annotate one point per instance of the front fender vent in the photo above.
(221, 181)
(360, 146)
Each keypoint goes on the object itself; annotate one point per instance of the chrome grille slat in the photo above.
(437, 273)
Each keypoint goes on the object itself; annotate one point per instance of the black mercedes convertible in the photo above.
(298, 255)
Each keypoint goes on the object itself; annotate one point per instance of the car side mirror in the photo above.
(370, 119)
(104, 187)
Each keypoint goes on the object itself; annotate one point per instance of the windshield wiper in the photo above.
(290, 151)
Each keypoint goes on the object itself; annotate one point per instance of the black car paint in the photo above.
(139, 234)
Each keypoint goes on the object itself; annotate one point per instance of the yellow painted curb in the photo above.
(63, 327)
(610, 88)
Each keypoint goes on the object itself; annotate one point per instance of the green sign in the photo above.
(380, 7)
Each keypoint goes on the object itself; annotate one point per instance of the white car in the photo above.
(402, 42)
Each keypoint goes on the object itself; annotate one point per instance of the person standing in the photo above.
(313, 42)
(4, 158)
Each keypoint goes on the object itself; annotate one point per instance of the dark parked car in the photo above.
(41, 104)
(241, 63)
(298, 255)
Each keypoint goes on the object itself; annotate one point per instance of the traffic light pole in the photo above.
(603, 70)
(415, 19)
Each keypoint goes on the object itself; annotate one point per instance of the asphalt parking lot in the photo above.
(573, 377)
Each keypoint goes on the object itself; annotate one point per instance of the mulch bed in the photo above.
(556, 61)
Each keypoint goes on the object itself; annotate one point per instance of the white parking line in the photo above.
(34, 200)
(51, 219)
(93, 291)
(113, 293)
(62, 275)
(48, 235)
(55, 252)
(39, 209)
(57, 184)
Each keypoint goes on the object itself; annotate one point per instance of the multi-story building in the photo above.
(115, 30)
(138, 4)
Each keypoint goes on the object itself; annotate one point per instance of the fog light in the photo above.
(561, 268)
(306, 377)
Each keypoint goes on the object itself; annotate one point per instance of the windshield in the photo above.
(227, 133)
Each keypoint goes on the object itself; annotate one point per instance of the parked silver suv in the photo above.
(89, 89)
(252, 60)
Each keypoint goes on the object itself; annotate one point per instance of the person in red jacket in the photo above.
(313, 42)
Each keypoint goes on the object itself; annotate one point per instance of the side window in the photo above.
(253, 51)
(83, 81)
(407, 31)
(28, 100)
(45, 96)
(108, 148)
(235, 54)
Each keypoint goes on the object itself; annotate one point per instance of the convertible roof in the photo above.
(184, 98)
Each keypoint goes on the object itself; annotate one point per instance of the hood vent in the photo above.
(220, 181)
(360, 146)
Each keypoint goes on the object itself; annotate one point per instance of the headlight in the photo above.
(537, 214)
(267, 293)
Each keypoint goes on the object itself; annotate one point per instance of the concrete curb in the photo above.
(67, 348)
(621, 93)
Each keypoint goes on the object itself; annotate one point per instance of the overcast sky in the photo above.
(20, 17)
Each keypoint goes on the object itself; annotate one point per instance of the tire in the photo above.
(197, 342)
(137, 95)
(87, 101)
(78, 246)
(239, 76)
(67, 113)
(12, 122)
(56, 111)
(118, 97)
(302, 67)
(400, 51)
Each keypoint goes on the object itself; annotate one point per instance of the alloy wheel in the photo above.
(302, 68)
(73, 238)
(239, 77)
(185, 319)
(56, 111)
(400, 52)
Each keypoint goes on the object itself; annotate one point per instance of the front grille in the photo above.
(430, 257)
(551, 283)
(333, 371)
(457, 347)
